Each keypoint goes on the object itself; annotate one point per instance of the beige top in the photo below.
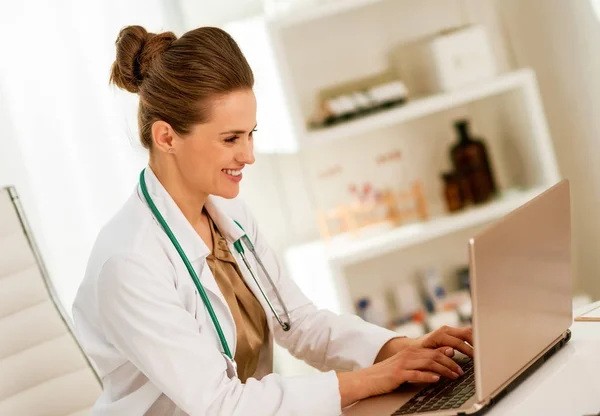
(248, 314)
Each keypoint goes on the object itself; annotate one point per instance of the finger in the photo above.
(446, 340)
(417, 376)
(434, 366)
(466, 334)
(447, 351)
(446, 361)
(436, 355)
(456, 343)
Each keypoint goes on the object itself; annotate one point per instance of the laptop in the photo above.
(521, 291)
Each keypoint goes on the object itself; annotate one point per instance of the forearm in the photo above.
(353, 386)
(332, 342)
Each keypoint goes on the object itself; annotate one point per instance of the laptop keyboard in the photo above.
(445, 394)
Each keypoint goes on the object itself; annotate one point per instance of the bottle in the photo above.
(453, 193)
(470, 158)
(434, 289)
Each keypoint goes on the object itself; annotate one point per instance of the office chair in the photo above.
(43, 371)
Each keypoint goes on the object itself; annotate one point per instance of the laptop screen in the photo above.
(521, 287)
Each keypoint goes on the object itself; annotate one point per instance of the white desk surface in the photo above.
(567, 384)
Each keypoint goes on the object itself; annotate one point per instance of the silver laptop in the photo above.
(521, 289)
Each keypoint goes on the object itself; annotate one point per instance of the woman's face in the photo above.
(212, 156)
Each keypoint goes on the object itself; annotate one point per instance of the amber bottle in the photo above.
(470, 159)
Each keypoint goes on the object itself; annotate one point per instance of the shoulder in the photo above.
(129, 239)
(128, 231)
(132, 272)
(126, 255)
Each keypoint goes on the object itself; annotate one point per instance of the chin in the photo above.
(228, 193)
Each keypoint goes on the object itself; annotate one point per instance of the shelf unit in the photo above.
(300, 45)
(419, 107)
(319, 266)
(299, 53)
(347, 251)
(321, 11)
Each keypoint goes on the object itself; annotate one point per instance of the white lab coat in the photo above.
(140, 319)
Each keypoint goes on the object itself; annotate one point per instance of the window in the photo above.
(596, 7)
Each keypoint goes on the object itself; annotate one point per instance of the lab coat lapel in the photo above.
(196, 251)
(226, 225)
(232, 233)
(189, 240)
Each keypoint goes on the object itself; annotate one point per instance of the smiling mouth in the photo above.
(232, 172)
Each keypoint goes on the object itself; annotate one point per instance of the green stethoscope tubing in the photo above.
(238, 247)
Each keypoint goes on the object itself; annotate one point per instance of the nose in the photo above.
(246, 154)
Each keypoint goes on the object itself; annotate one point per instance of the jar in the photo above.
(453, 193)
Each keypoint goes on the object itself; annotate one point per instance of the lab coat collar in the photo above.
(227, 226)
(188, 238)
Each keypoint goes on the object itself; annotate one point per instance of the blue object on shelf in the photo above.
(464, 278)
(363, 305)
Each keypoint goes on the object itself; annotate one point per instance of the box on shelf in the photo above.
(357, 98)
(374, 208)
(445, 61)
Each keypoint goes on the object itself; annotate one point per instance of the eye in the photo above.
(232, 139)
(252, 132)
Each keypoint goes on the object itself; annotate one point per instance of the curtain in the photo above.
(71, 147)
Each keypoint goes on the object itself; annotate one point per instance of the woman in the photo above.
(141, 316)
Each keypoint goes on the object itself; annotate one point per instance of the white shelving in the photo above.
(319, 267)
(356, 251)
(313, 50)
(419, 108)
(310, 13)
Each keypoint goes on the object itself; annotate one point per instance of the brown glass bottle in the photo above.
(470, 159)
(453, 191)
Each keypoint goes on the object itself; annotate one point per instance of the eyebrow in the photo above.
(237, 131)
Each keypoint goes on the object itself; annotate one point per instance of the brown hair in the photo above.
(175, 78)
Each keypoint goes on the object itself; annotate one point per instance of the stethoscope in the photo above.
(239, 247)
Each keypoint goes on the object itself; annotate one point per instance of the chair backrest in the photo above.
(43, 370)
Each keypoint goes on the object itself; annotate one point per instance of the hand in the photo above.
(439, 339)
(412, 365)
(423, 365)
(460, 339)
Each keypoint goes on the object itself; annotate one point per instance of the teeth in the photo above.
(232, 172)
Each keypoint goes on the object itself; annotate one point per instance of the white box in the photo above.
(446, 61)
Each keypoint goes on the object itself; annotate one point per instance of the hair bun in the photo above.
(136, 49)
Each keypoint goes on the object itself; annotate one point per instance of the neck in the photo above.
(190, 202)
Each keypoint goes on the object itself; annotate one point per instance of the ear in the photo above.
(163, 136)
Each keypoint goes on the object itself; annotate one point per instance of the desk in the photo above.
(567, 384)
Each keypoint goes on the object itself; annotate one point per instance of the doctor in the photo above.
(174, 318)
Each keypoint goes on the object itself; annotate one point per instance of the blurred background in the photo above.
(389, 132)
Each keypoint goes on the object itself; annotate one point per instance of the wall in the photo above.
(11, 164)
(13, 170)
(559, 40)
(216, 12)
(67, 142)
